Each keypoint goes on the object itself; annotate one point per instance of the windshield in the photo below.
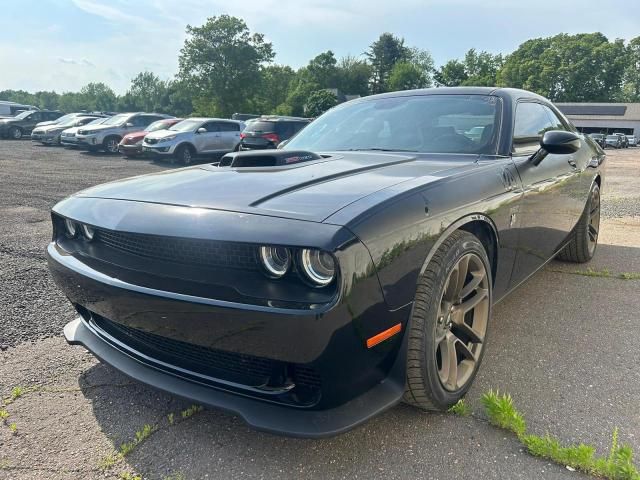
(420, 123)
(22, 115)
(65, 118)
(157, 125)
(186, 126)
(98, 121)
(116, 119)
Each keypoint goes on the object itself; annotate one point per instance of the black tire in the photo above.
(583, 239)
(185, 154)
(424, 388)
(15, 133)
(110, 144)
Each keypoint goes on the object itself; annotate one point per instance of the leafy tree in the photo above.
(322, 70)
(274, 88)
(221, 62)
(423, 61)
(298, 96)
(147, 93)
(631, 80)
(451, 74)
(407, 76)
(569, 68)
(97, 96)
(383, 54)
(353, 76)
(481, 68)
(319, 102)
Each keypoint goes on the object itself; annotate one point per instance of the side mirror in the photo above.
(282, 144)
(128, 124)
(201, 130)
(557, 142)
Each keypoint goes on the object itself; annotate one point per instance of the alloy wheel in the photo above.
(112, 145)
(462, 322)
(17, 134)
(594, 219)
(186, 156)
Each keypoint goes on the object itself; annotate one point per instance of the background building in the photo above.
(603, 117)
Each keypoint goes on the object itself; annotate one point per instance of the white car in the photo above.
(108, 134)
(193, 137)
(633, 141)
(52, 134)
(68, 136)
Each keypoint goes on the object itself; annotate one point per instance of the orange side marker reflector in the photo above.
(382, 336)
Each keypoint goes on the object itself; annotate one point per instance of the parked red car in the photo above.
(131, 143)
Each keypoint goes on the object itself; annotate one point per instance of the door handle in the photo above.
(572, 163)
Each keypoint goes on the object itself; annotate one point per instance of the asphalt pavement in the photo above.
(564, 345)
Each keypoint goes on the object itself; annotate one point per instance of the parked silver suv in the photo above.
(108, 134)
(193, 137)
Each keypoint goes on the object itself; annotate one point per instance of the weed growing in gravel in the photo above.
(192, 410)
(175, 476)
(14, 428)
(16, 392)
(617, 466)
(170, 418)
(629, 276)
(141, 436)
(460, 408)
(4, 415)
(129, 476)
(605, 273)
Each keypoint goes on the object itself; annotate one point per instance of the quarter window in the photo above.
(555, 120)
(229, 127)
(531, 122)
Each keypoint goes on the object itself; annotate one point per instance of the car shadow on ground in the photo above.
(568, 361)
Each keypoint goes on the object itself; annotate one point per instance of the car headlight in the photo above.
(318, 266)
(275, 260)
(88, 232)
(166, 139)
(71, 227)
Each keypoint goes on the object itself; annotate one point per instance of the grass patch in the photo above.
(3, 415)
(171, 418)
(191, 411)
(16, 392)
(141, 435)
(629, 276)
(14, 428)
(604, 273)
(460, 408)
(617, 466)
(129, 476)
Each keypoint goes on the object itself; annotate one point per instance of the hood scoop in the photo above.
(267, 158)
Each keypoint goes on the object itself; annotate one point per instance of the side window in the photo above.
(35, 117)
(211, 127)
(530, 124)
(229, 127)
(53, 116)
(555, 120)
(141, 121)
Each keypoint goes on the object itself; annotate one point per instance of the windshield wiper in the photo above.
(376, 150)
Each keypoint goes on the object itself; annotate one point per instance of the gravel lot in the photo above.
(570, 362)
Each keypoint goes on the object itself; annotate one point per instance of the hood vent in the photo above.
(267, 158)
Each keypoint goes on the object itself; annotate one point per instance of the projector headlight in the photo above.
(318, 266)
(88, 232)
(71, 227)
(275, 260)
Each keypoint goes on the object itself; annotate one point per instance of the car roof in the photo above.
(280, 118)
(211, 119)
(513, 93)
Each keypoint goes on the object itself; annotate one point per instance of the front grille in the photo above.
(187, 251)
(239, 368)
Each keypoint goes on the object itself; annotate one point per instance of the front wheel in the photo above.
(110, 145)
(448, 327)
(584, 237)
(185, 154)
(15, 133)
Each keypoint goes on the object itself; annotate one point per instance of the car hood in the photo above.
(95, 128)
(44, 124)
(135, 136)
(308, 191)
(165, 133)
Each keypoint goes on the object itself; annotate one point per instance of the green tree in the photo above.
(322, 70)
(147, 93)
(423, 62)
(631, 80)
(274, 88)
(319, 102)
(97, 96)
(407, 76)
(481, 68)
(451, 74)
(572, 68)
(221, 61)
(353, 76)
(383, 54)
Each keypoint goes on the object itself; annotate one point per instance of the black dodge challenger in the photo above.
(312, 287)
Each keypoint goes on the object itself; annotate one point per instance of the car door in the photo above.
(229, 135)
(547, 210)
(209, 141)
(31, 121)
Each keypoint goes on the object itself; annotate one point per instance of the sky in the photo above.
(62, 45)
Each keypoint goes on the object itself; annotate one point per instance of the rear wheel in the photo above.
(448, 326)
(185, 154)
(15, 133)
(110, 144)
(584, 237)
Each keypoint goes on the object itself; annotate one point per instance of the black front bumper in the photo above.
(264, 416)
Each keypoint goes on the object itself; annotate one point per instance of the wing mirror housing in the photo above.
(557, 142)
(128, 124)
(282, 144)
(201, 130)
